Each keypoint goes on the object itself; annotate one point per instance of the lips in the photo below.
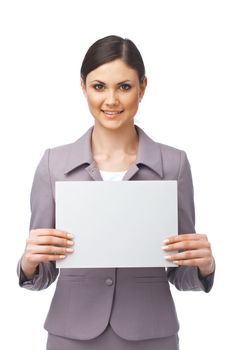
(112, 112)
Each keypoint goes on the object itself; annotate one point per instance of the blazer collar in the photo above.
(149, 153)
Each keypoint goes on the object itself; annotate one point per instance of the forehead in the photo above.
(116, 70)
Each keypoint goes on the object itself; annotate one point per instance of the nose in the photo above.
(111, 98)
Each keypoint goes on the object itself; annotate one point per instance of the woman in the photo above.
(130, 308)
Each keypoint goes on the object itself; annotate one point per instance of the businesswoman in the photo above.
(113, 308)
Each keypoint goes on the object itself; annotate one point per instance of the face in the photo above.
(113, 93)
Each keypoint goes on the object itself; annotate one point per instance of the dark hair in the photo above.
(110, 48)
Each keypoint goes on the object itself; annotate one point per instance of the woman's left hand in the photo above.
(194, 250)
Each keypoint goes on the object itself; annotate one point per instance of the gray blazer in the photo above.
(136, 301)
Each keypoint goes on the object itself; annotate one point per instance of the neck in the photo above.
(112, 142)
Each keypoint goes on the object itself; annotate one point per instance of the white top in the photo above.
(112, 175)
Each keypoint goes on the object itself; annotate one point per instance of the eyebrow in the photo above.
(101, 82)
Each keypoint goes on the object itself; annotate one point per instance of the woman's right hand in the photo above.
(45, 245)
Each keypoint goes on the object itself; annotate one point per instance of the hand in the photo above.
(45, 245)
(195, 250)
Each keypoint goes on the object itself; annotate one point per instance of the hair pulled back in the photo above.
(110, 48)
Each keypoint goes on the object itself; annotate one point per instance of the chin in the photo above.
(114, 124)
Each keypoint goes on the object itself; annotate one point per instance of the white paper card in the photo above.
(117, 223)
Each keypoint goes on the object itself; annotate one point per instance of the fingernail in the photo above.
(168, 257)
(69, 235)
(70, 242)
(62, 256)
(165, 247)
(165, 241)
(69, 250)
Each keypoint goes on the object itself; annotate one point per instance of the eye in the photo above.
(98, 87)
(125, 87)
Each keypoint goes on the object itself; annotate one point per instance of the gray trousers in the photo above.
(109, 340)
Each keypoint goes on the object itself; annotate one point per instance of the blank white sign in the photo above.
(117, 223)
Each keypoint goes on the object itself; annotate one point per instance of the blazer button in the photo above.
(109, 282)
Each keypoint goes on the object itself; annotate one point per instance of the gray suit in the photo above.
(136, 301)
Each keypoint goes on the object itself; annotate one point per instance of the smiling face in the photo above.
(113, 93)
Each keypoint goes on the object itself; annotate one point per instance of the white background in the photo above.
(187, 49)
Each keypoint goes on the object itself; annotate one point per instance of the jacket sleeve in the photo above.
(42, 216)
(187, 277)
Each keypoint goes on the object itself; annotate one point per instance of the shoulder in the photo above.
(169, 159)
(53, 160)
(150, 144)
(56, 153)
(76, 152)
(173, 159)
(60, 151)
(169, 151)
(62, 159)
(171, 154)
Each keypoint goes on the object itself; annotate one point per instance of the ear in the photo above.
(143, 88)
(83, 86)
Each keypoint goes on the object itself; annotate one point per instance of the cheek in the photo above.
(132, 101)
(94, 100)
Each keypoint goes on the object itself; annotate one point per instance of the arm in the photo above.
(36, 269)
(187, 277)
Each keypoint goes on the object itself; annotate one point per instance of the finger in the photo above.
(49, 240)
(51, 232)
(43, 249)
(187, 245)
(184, 237)
(199, 262)
(38, 258)
(189, 255)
